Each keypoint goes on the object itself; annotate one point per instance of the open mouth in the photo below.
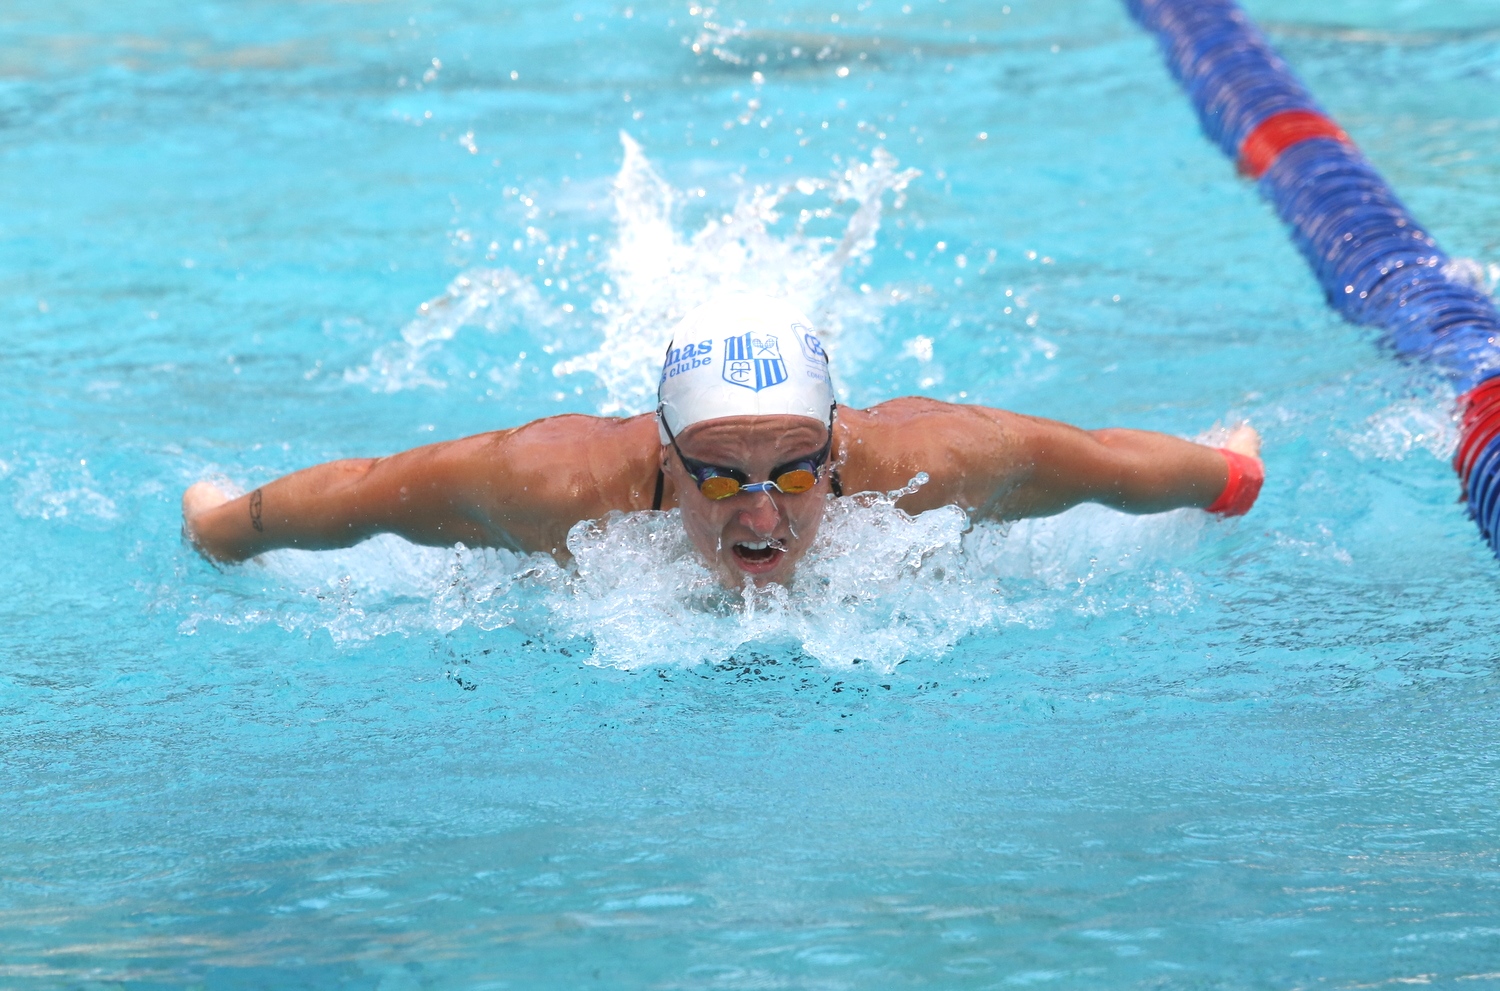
(758, 555)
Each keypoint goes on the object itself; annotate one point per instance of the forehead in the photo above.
(745, 439)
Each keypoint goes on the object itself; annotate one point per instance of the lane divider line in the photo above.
(1377, 265)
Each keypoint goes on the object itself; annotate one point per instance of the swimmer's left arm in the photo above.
(1001, 465)
(1134, 471)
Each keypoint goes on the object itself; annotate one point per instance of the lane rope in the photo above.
(1377, 264)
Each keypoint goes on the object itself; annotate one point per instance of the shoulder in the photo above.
(592, 464)
(581, 431)
(931, 429)
(907, 412)
(530, 484)
(965, 450)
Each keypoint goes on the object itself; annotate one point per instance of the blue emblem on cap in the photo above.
(812, 348)
(753, 362)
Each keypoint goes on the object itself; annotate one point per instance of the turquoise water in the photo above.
(1089, 752)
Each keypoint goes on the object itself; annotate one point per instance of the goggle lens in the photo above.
(721, 483)
(719, 486)
(795, 481)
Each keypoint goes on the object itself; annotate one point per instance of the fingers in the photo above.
(199, 498)
(1244, 439)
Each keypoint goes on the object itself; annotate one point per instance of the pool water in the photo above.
(1095, 751)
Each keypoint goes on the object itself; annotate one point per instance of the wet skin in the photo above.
(721, 529)
(524, 488)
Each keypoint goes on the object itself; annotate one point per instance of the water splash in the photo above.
(380, 587)
(659, 274)
(59, 489)
(1408, 426)
(493, 299)
(879, 587)
(1472, 272)
(714, 37)
(654, 274)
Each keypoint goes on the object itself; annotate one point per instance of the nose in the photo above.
(760, 513)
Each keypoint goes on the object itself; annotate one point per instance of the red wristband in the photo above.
(1245, 477)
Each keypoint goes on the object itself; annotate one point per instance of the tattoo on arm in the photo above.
(255, 511)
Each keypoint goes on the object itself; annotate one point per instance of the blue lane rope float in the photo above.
(1376, 263)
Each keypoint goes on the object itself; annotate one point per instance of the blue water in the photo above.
(1090, 752)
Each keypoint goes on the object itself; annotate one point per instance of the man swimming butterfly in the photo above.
(748, 442)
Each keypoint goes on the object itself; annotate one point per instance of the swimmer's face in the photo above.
(759, 535)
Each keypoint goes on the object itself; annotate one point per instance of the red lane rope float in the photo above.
(1278, 132)
(1481, 425)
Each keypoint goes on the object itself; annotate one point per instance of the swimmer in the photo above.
(748, 442)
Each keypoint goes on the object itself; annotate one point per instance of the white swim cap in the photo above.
(743, 355)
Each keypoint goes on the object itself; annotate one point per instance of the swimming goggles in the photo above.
(717, 482)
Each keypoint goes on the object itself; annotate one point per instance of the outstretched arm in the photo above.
(425, 495)
(1001, 465)
(1135, 471)
(520, 489)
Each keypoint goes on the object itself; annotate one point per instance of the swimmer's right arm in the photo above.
(424, 495)
(519, 489)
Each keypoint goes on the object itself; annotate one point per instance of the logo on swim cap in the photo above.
(810, 344)
(753, 362)
(772, 364)
(812, 349)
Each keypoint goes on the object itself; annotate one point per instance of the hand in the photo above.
(1244, 439)
(197, 500)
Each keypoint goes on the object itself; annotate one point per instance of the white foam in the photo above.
(1471, 272)
(1406, 427)
(382, 586)
(655, 274)
(878, 587)
(659, 274)
(492, 299)
(57, 489)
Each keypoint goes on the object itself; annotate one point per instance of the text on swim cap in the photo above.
(686, 358)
